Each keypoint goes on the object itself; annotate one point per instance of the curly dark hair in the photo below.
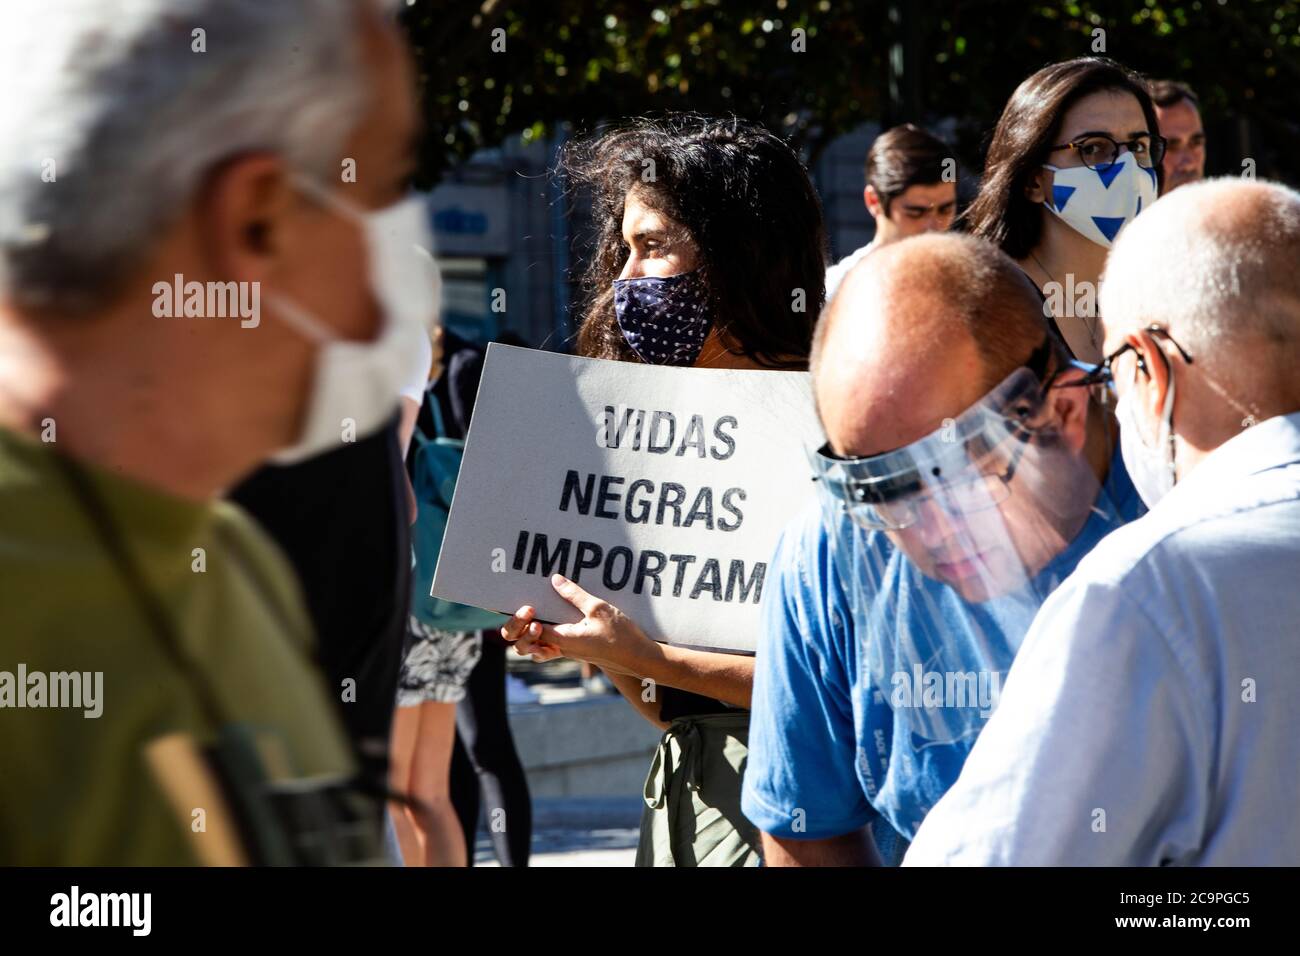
(746, 201)
(1022, 141)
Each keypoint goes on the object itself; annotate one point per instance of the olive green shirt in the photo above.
(130, 786)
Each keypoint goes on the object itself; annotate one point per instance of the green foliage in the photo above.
(588, 62)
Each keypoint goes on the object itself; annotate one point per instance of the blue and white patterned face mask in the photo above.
(664, 319)
(1098, 203)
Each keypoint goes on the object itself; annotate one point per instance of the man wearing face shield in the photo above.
(1151, 715)
(967, 471)
(189, 722)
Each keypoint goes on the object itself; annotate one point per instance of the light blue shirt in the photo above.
(1153, 714)
(826, 755)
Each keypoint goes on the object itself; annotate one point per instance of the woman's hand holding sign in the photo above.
(605, 636)
(613, 642)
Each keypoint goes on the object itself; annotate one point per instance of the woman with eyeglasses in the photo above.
(1074, 158)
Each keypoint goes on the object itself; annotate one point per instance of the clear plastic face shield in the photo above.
(946, 548)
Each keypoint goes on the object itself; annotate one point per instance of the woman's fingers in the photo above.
(532, 639)
(588, 604)
(538, 651)
(514, 628)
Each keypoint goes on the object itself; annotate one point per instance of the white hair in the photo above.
(1218, 264)
(113, 101)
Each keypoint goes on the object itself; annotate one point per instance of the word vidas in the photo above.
(103, 909)
(209, 300)
(59, 689)
(629, 427)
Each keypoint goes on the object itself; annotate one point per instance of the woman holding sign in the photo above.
(710, 253)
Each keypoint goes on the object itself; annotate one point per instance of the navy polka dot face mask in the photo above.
(665, 320)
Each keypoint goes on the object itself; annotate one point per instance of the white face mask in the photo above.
(1097, 204)
(356, 384)
(1151, 469)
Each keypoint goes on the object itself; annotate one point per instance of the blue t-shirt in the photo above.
(822, 732)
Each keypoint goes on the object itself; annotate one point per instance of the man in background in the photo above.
(911, 189)
(1179, 115)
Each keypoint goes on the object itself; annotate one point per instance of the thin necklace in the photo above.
(1090, 327)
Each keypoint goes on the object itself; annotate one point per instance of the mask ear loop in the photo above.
(1249, 416)
(299, 319)
(324, 197)
(291, 312)
(1167, 412)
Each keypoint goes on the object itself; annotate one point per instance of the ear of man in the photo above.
(875, 205)
(244, 217)
(1152, 374)
(1068, 406)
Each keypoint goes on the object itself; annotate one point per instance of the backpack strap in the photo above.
(435, 407)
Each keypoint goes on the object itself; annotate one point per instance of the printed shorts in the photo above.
(436, 665)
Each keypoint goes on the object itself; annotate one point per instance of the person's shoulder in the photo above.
(1179, 532)
(27, 475)
(1132, 558)
(466, 361)
(805, 584)
(802, 542)
(835, 274)
(262, 558)
(852, 259)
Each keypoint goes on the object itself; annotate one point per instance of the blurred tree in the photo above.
(813, 70)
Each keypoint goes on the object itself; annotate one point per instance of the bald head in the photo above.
(918, 332)
(1215, 263)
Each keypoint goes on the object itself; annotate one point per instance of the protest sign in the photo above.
(662, 490)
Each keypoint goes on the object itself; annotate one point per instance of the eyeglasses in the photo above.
(967, 494)
(1103, 374)
(1099, 151)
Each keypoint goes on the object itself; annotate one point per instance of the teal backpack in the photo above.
(437, 463)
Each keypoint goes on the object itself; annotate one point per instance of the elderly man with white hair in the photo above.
(170, 170)
(1150, 717)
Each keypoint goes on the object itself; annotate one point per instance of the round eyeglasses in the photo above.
(1099, 150)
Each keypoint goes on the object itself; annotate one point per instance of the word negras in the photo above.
(642, 505)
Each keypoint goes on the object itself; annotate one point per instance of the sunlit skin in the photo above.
(918, 209)
(1184, 160)
(657, 245)
(1061, 251)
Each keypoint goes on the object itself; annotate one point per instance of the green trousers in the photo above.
(692, 796)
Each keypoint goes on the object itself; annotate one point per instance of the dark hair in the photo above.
(744, 197)
(904, 156)
(1165, 93)
(1023, 139)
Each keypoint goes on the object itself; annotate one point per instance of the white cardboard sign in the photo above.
(661, 490)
